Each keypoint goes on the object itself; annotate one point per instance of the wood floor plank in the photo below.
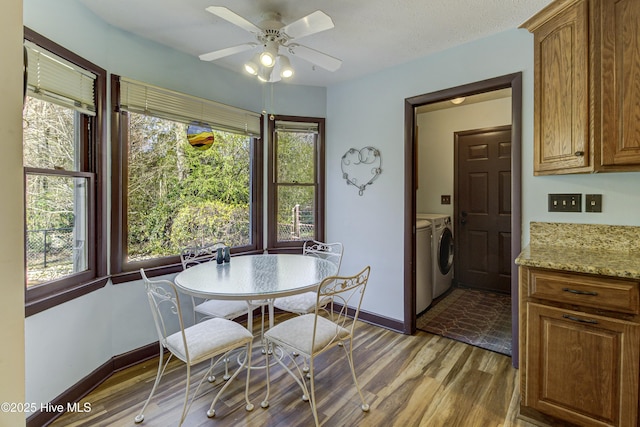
(420, 380)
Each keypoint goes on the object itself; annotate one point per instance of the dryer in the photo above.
(424, 265)
(441, 251)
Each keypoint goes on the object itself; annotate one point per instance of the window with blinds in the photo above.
(64, 174)
(142, 98)
(174, 193)
(54, 79)
(296, 187)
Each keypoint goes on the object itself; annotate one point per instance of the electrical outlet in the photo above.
(565, 202)
(593, 203)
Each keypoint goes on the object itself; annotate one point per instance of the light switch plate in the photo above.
(593, 203)
(565, 202)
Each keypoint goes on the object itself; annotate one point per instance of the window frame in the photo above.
(294, 246)
(94, 160)
(125, 271)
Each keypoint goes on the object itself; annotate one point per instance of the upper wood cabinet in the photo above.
(586, 86)
(620, 77)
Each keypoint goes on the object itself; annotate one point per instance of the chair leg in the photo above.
(140, 417)
(206, 376)
(186, 396)
(246, 363)
(265, 402)
(226, 368)
(298, 378)
(349, 353)
(249, 406)
(312, 400)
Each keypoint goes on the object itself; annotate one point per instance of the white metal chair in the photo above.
(313, 334)
(194, 344)
(306, 303)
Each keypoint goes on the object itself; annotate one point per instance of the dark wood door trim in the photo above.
(513, 81)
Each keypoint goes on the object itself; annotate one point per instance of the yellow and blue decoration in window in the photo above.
(200, 136)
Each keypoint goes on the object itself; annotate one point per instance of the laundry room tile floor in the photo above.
(475, 317)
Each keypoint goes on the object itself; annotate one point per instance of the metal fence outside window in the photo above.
(298, 228)
(50, 247)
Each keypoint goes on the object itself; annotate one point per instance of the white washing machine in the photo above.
(424, 265)
(441, 251)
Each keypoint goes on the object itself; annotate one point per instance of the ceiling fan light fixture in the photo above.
(252, 66)
(268, 56)
(264, 75)
(270, 34)
(286, 71)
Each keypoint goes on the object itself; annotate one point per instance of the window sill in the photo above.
(129, 276)
(51, 300)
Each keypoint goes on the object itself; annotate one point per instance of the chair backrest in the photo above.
(164, 301)
(195, 255)
(346, 292)
(329, 251)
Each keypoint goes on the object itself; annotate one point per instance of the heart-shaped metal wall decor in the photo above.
(361, 167)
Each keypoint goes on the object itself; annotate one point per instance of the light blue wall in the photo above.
(67, 342)
(370, 112)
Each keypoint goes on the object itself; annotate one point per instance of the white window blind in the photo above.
(154, 101)
(57, 80)
(284, 126)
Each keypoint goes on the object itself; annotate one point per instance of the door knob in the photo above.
(463, 220)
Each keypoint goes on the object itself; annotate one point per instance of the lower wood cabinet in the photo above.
(579, 363)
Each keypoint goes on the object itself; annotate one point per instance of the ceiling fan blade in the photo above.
(313, 23)
(234, 18)
(217, 54)
(323, 60)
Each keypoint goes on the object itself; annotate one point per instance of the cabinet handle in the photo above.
(579, 292)
(579, 153)
(577, 319)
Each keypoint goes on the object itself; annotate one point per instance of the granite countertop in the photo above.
(606, 250)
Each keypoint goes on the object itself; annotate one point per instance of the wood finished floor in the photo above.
(419, 380)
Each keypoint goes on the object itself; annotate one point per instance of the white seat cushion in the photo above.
(297, 333)
(224, 309)
(207, 339)
(301, 303)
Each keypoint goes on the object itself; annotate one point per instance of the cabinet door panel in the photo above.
(620, 82)
(582, 368)
(561, 91)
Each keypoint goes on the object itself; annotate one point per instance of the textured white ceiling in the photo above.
(369, 35)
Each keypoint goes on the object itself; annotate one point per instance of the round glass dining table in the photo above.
(255, 278)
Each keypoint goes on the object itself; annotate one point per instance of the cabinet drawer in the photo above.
(597, 292)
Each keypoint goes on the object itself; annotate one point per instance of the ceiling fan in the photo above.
(271, 34)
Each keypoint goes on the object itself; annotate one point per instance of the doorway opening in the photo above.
(415, 175)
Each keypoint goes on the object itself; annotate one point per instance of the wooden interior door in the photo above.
(483, 208)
